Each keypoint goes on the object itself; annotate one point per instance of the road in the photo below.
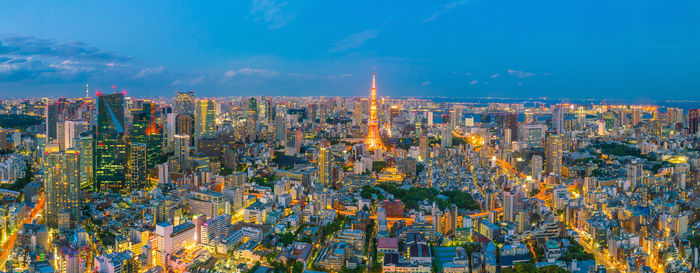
(600, 257)
(10, 243)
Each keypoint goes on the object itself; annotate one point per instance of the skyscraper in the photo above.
(205, 119)
(110, 148)
(184, 124)
(62, 185)
(253, 108)
(325, 161)
(293, 143)
(536, 166)
(137, 168)
(558, 119)
(636, 115)
(553, 154)
(280, 124)
(534, 134)
(423, 147)
(634, 173)
(182, 150)
(52, 111)
(373, 140)
(85, 146)
(446, 136)
(693, 121)
(147, 131)
(456, 116)
(512, 124)
(184, 102)
(71, 131)
(609, 119)
(509, 205)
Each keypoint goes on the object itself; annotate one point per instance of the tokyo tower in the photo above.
(373, 140)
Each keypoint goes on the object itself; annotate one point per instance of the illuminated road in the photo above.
(10, 243)
(600, 257)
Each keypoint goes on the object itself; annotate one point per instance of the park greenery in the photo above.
(530, 268)
(16, 121)
(412, 196)
(618, 149)
(576, 251)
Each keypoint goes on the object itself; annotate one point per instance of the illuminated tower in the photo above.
(204, 119)
(325, 164)
(373, 140)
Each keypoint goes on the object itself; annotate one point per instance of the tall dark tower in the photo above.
(110, 144)
(693, 121)
(512, 124)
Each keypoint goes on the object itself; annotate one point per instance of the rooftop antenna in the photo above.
(114, 89)
(87, 94)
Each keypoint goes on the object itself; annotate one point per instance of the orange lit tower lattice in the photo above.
(373, 140)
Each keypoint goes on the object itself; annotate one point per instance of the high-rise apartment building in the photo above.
(423, 147)
(85, 146)
(62, 186)
(325, 164)
(137, 169)
(509, 206)
(553, 154)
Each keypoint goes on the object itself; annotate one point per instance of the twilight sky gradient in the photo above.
(469, 48)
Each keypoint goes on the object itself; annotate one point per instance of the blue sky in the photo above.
(552, 48)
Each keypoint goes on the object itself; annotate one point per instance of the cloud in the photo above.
(197, 80)
(148, 71)
(270, 12)
(251, 71)
(425, 83)
(444, 9)
(18, 45)
(230, 74)
(314, 76)
(354, 40)
(27, 58)
(495, 76)
(193, 81)
(473, 82)
(520, 74)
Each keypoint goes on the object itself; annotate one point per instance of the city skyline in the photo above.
(622, 50)
(278, 136)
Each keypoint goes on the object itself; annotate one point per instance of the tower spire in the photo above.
(373, 140)
(87, 93)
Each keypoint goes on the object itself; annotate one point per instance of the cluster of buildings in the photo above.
(331, 184)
